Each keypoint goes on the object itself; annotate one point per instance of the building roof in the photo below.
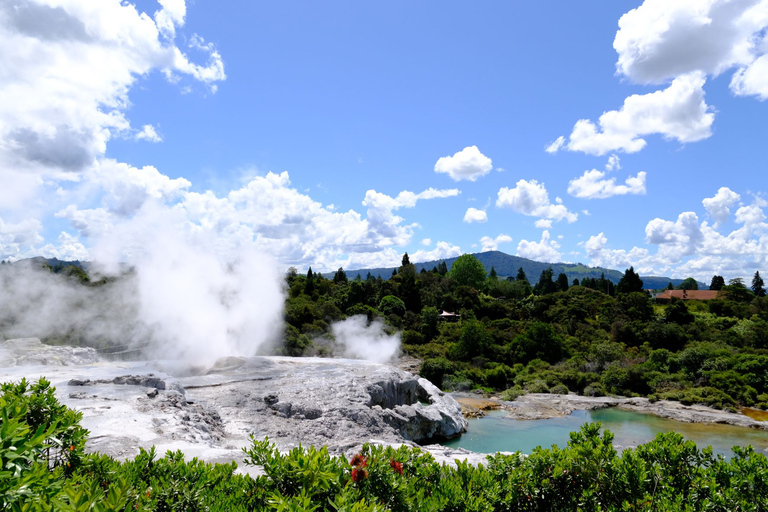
(688, 294)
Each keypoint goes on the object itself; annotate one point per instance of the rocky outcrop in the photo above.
(210, 413)
(543, 405)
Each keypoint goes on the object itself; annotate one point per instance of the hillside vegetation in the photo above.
(550, 335)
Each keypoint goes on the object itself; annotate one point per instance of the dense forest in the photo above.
(516, 335)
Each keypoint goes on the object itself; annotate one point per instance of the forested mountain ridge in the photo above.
(508, 265)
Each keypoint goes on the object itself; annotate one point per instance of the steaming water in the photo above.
(496, 432)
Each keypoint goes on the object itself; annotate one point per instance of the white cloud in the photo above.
(661, 40)
(65, 87)
(555, 146)
(684, 233)
(613, 164)
(678, 112)
(267, 214)
(593, 185)
(468, 164)
(543, 223)
(69, 248)
(426, 242)
(718, 207)
(149, 134)
(531, 198)
(687, 247)
(600, 256)
(475, 215)
(441, 251)
(18, 237)
(492, 244)
(546, 250)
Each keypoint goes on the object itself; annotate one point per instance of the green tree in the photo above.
(688, 284)
(340, 276)
(429, 321)
(545, 285)
(474, 341)
(562, 282)
(677, 313)
(521, 275)
(391, 305)
(492, 275)
(539, 341)
(717, 283)
(630, 282)
(468, 271)
(309, 284)
(758, 286)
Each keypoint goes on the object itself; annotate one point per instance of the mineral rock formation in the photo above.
(211, 412)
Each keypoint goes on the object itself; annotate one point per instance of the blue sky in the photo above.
(315, 131)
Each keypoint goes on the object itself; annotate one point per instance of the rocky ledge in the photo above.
(542, 405)
(211, 412)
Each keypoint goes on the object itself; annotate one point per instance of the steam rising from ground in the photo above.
(185, 297)
(363, 341)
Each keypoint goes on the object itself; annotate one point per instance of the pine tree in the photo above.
(758, 286)
(562, 282)
(630, 282)
(521, 275)
(309, 284)
(717, 283)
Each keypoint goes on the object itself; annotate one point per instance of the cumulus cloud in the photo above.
(14, 237)
(492, 244)
(613, 164)
(149, 134)
(555, 145)
(660, 40)
(468, 164)
(594, 185)
(442, 250)
(688, 247)
(718, 207)
(426, 242)
(475, 215)
(545, 250)
(267, 213)
(65, 96)
(678, 112)
(684, 233)
(543, 223)
(531, 198)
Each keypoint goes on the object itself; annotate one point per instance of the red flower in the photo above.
(358, 461)
(396, 466)
(359, 474)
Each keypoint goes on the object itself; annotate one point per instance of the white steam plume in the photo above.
(362, 341)
(200, 299)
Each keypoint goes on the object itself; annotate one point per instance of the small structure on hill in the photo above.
(449, 317)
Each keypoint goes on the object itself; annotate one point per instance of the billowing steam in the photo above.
(362, 341)
(184, 297)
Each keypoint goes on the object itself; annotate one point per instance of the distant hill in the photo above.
(507, 265)
(55, 263)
